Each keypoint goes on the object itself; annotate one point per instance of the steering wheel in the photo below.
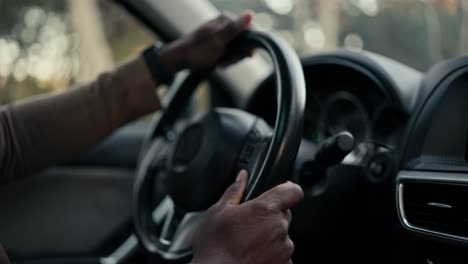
(201, 155)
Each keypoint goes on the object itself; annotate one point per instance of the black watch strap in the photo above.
(153, 61)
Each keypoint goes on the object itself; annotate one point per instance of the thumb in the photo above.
(283, 196)
(233, 194)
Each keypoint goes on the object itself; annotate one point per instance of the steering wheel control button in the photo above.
(254, 147)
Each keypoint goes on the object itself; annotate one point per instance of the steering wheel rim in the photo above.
(278, 158)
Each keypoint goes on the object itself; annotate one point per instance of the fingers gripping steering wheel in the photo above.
(201, 156)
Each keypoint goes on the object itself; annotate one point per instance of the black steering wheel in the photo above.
(201, 155)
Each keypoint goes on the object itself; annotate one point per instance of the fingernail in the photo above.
(249, 12)
(240, 175)
(246, 17)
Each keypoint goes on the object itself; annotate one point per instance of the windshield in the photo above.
(417, 33)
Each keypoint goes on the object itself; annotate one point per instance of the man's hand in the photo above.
(253, 232)
(206, 45)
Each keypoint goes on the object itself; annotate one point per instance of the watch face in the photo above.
(160, 73)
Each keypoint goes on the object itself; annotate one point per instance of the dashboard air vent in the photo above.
(435, 207)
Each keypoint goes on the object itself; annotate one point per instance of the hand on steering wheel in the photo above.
(205, 46)
(253, 232)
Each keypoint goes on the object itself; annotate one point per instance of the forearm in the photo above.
(47, 130)
(43, 131)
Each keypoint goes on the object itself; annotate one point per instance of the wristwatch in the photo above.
(152, 58)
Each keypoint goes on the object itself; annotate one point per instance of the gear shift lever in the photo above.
(331, 152)
(334, 149)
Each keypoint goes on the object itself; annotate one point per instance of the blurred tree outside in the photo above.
(463, 49)
(329, 19)
(419, 33)
(95, 52)
(49, 45)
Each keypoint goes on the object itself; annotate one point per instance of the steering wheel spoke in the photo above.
(186, 230)
(176, 228)
(162, 211)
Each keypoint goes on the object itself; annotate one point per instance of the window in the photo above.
(417, 33)
(49, 45)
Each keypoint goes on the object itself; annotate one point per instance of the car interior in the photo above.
(378, 146)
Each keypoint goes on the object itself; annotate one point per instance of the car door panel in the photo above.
(65, 211)
(78, 209)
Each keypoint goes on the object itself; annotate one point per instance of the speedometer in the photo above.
(342, 111)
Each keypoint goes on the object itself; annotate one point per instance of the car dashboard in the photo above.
(372, 98)
(349, 91)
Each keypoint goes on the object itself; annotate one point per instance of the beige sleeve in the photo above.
(47, 130)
